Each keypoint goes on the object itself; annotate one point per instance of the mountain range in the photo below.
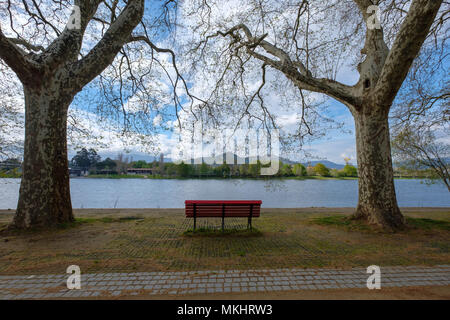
(328, 164)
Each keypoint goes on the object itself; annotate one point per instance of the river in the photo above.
(171, 193)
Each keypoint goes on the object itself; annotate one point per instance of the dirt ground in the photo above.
(408, 293)
(128, 240)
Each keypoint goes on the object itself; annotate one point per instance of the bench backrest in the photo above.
(213, 208)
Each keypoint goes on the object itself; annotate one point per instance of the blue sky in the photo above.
(334, 146)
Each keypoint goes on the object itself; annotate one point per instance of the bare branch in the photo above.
(27, 45)
(295, 71)
(105, 51)
(406, 46)
(25, 68)
(67, 45)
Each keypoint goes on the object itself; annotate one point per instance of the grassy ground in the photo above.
(405, 293)
(107, 240)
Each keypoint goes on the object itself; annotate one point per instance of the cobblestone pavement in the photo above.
(110, 285)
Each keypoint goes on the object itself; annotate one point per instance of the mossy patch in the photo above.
(428, 224)
(108, 219)
(342, 221)
(120, 241)
(349, 224)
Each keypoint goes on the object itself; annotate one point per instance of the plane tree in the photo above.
(303, 46)
(421, 122)
(57, 48)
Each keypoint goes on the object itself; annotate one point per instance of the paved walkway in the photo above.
(110, 285)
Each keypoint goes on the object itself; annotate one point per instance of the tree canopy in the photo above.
(85, 158)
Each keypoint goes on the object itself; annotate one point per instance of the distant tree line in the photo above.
(185, 170)
(89, 160)
(11, 168)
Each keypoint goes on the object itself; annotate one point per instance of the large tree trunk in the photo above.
(377, 202)
(44, 198)
(51, 78)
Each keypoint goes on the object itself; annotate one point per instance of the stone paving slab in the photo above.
(215, 281)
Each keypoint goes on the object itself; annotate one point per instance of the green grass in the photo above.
(332, 220)
(158, 241)
(10, 175)
(341, 221)
(428, 224)
(4, 230)
(442, 246)
(106, 219)
(207, 232)
(81, 221)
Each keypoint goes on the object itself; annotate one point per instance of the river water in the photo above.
(171, 193)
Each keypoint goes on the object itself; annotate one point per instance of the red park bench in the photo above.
(222, 209)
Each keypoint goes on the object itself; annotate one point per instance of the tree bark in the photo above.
(51, 79)
(377, 201)
(44, 196)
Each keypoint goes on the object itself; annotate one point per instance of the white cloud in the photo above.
(335, 150)
(157, 120)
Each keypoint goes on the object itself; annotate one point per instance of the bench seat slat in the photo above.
(213, 208)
